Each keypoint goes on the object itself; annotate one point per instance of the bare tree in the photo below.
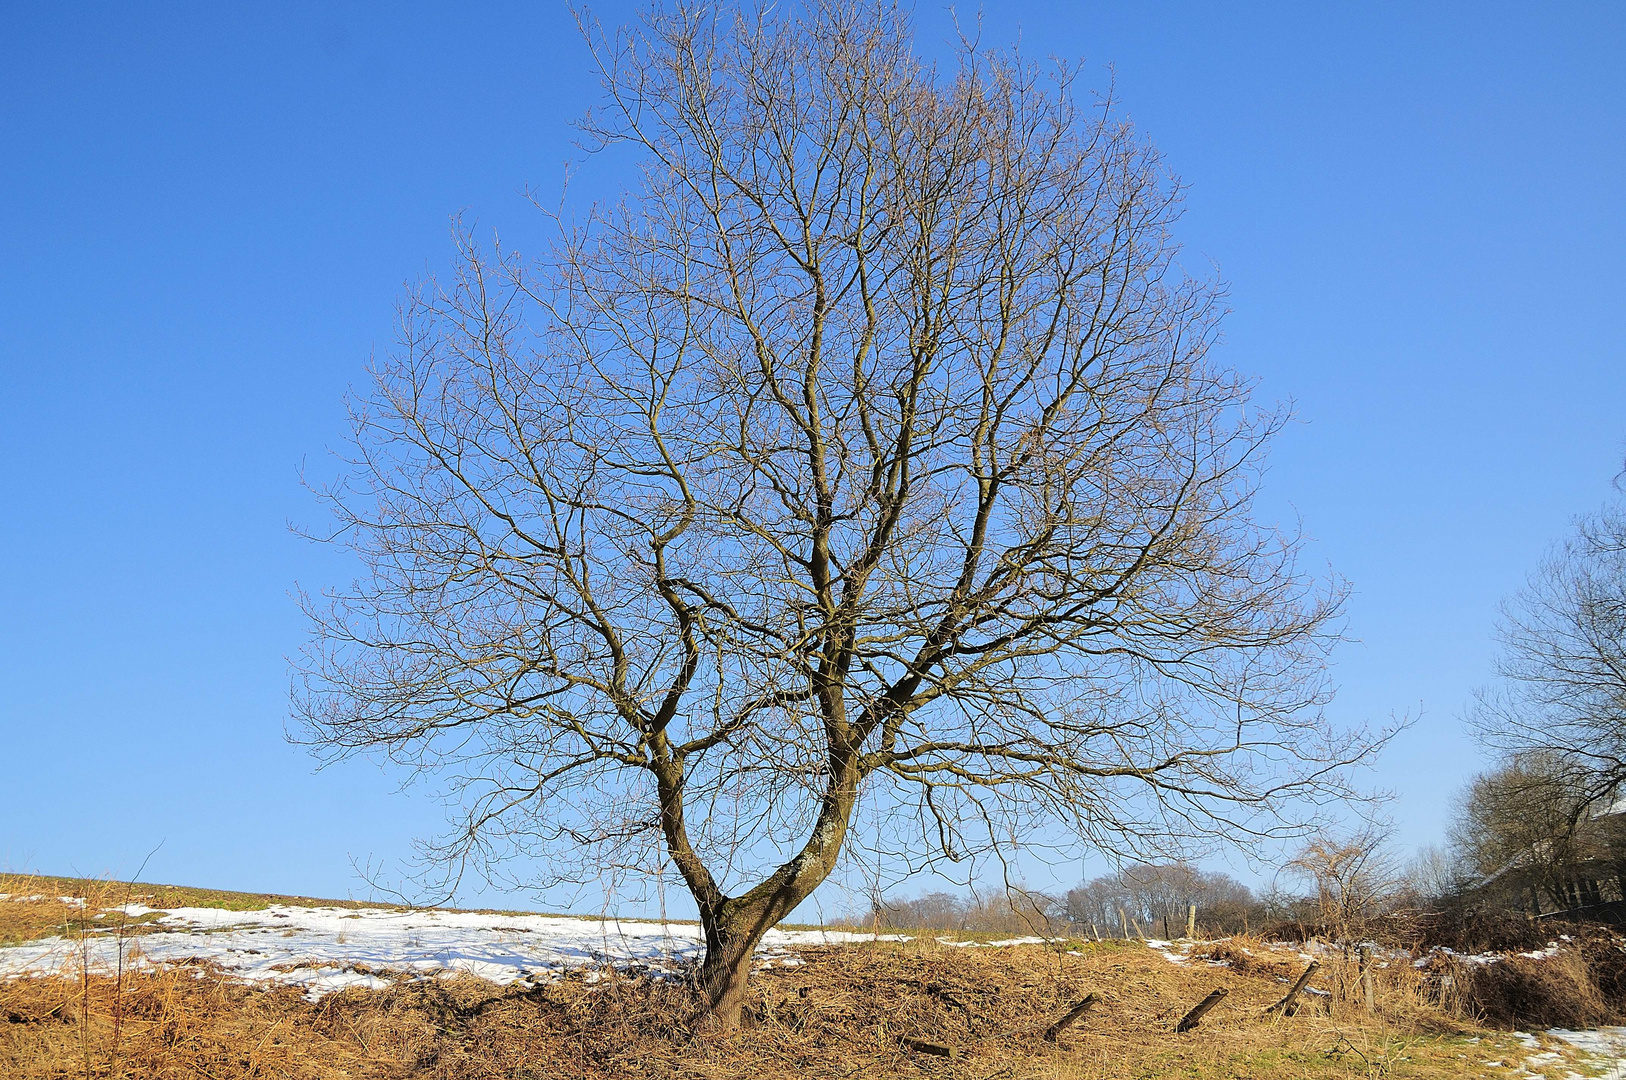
(1355, 876)
(929, 911)
(1435, 874)
(1019, 911)
(1562, 669)
(1530, 828)
(868, 463)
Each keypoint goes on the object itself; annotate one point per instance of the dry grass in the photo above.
(46, 916)
(1556, 991)
(39, 907)
(106, 893)
(841, 1014)
(1246, 955)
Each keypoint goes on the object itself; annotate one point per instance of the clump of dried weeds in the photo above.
(1250, 956)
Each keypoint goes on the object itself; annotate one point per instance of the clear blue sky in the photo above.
(206, 214)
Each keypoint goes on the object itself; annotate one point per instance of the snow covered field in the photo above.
(326, 949)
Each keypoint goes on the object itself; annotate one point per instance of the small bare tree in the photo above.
(868, 460)
(1355, 876)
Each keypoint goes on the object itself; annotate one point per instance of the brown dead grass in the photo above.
(1250, 956)
(1519, 992)
(108, 892)
(841, 1014)
(39, 907)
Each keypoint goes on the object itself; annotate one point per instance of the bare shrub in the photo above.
(1355, 878)
(1481, 930)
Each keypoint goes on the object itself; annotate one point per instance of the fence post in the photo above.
(1286, 1006)
(1077, 1012)
(1195, 1016)
(1191, 922)
(1366, 976)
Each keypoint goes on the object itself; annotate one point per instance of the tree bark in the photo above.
(733, 930)
(725, 972)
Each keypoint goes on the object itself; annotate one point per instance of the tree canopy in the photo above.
(868, 460)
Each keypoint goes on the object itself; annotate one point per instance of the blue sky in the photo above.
(207, 212)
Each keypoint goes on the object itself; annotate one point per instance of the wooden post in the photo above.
(1096, 932)
(1195, 1016)
(1191, 922)
(1366, 977)
(924, 1047)
(1077, 1012)
(1285, 1006)
(1138, 931)
(1124, 919)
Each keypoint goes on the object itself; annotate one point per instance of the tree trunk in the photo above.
(724, 973)
(734, 927)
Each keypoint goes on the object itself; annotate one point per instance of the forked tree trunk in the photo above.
(735, 925)
(732, 936)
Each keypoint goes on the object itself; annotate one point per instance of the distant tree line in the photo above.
(1157, 897)
(1147, 899)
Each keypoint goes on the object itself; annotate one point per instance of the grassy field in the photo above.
(847, 1012)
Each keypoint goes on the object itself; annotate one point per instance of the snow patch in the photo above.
(1607, 1043)
(987, 944)
(1166, 949)
(327, 949)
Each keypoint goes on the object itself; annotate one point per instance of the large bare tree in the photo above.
(1529, 825)
(1561, 694)
(866, 463)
